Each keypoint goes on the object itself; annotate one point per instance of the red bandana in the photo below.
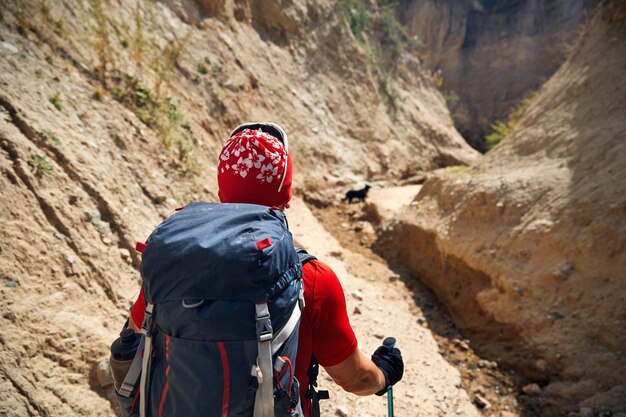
(255, 168)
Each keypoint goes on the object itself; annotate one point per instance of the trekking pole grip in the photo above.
(389, 343)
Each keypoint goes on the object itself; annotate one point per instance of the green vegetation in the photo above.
(98, 93)
(358, 17)
(500, 129)
(141, 82)
(48, 135)
(455, 170)
(56, 101)
(202, 68)
(452, 100)
(102, 43)
(40, 165)
(383, 39)
(437, 78)
(59, 27)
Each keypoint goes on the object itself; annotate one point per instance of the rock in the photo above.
(481, 402)
(357, 295)
(103, 373)
(564, 270)
(10, 283)
(531, 389)
(124, 253)
(104, 227)
(11, 316)
(71, 259)
(555, 315)
(93, 216)
(356, 310)
(107, 241)
(508, 414)
(462, 344)
(10, 47)
(341, 411)
(72, 341)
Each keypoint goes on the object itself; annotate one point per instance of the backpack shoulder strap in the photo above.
(304, 256)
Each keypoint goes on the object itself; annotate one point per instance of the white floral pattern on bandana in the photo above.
(252, 152)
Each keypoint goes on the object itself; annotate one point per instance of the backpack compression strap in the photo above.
(264, 402)
(132, 376)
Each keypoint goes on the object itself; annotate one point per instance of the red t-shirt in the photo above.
(325, 330)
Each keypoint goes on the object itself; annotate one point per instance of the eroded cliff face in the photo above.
(528, 248)
(492, 56)
(112, 114)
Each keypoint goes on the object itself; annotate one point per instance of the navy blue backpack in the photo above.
(223, 288)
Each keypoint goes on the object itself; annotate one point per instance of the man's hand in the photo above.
(389, 361)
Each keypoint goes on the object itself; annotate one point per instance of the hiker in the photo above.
(255, 167)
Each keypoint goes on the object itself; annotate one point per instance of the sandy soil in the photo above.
(442, 375)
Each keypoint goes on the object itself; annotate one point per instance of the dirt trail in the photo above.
(380, 305)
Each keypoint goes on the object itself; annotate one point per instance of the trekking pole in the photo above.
(389, 343)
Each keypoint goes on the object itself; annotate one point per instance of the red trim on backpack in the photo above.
(262, 244)
(179, 208)
(137, 395)
(140, 247)
(226, 371)
(167, 371)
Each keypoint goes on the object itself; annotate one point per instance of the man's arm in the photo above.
(135, 318)
(357, 374)
(334, 342)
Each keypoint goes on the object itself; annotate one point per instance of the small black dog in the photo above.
(357, 194)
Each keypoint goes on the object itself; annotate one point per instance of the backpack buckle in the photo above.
(264, 328)
(148, 321)
(264, 331)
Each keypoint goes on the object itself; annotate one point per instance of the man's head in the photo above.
(255, 166)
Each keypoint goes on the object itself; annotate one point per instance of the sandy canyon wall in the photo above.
(492, 54)
(528, 247)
